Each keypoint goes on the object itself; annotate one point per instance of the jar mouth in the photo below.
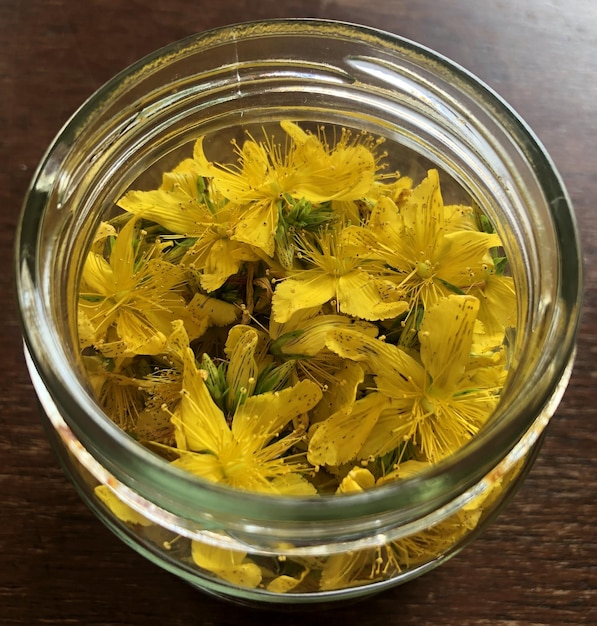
(512, 167)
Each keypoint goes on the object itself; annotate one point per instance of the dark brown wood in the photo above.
(537, 564)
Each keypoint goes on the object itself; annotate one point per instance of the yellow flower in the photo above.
(319, 173)
(431, 258)
(129, 301)
(182, 206)
(346, 281)
(256, 184)
(308, 169)
(439, 403)
(246, 454)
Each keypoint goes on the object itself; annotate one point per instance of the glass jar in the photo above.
(216, 84)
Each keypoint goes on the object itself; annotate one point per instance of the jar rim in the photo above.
(89, 423)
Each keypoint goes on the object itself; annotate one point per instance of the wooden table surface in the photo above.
(537, 564)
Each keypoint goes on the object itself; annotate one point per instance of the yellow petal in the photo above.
(242, 371)
(214, 557)
(339, 438)
(203, 465)
(359, 296)
(384, 237)
(87, 331)
(257, 226)
(384, 360)
(96, 373)
(292, 295)
(227, 182)
(284, 584)
(293, 485)
(385, 222)
(138, 335)
(228, 564)
(446, 336)
(459, 217)
(104, 230)
(406, 469)
(202, 423)
(341, 393)
(176, 205)
(195, 318)
(122, 511)
(347, 211)
(309, 338)
(497, 305)
(182, 179)
(220, 264)
(378, 238)
(424, 214)
(294, 131)
(220, 313)
(164, 208)
(177, 342)
(255, 162)
(122, 257)
(399, 190)
(357, 480)
(267, 413)
(296, 321)
(462, 257)
(204, 166)
(154, 425)
(97, 277)
(346, 569)
(388, 433)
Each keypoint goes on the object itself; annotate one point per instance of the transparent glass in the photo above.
(217, 84)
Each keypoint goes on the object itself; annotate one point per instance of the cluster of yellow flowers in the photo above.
(298, 321)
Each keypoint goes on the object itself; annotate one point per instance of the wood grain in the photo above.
(537, 564)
